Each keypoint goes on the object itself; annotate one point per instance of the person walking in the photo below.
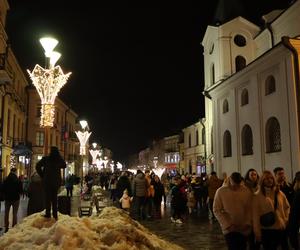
(231, 208)
(49, 169)
(69, 185)
(140, 186)
(12, 189)
(213, 184)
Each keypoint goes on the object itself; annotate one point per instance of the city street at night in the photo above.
(196, 233)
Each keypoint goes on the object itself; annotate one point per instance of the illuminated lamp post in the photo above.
(83, 137)
(48, 81)
(94, 153)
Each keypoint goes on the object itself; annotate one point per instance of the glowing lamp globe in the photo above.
(48, 44)
(54, 56)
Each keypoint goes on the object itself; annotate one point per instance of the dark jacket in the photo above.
(140, 185)
(49, 170)
(12, 187)
(122, 184)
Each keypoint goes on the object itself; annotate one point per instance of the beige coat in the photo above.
(233, 207)
(263, 204)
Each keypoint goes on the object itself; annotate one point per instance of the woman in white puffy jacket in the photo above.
(264, 201)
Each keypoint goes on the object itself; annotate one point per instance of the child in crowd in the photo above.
(125, 201)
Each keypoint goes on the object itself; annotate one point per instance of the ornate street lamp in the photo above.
(48, 81)
(83, 137)
(94, 153)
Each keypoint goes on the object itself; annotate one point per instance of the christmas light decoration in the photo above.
(158, 171)
(94, 153)
(83, 138)
(48, 82)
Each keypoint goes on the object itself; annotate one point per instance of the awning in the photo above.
(21, 149)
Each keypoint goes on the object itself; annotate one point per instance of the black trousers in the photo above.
(51, 201)
(236, 241)
(271, 239)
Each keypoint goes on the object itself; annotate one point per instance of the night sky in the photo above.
(137, 73)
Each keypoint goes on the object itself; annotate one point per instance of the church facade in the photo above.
(252, 99)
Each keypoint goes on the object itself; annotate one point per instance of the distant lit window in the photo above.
(244, 97)
(39, 138)
(270, 85)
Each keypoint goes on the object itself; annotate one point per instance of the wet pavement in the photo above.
(197, 231)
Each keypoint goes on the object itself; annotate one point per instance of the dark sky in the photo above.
(137, 73)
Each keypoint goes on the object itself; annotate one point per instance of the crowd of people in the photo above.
(257, 211)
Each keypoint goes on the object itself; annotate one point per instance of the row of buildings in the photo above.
(22, 138)
(251, 94)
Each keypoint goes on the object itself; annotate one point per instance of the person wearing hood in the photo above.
(140, 187)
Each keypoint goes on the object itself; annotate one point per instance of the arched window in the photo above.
(203, 136)
(273, 137)
(244, 97)
(240, 63)
(190, 141)
(212, 74)
(225, 106)
(270, 85)
(247, 140)
(197, 138)
(227, 144)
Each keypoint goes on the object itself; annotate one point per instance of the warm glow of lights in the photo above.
(48, 82)
(83, 124)
(132, 171)
(119, 165)
(94, 153)
(158, 171)
(94, 144)
(48, 44)
(54, 56)
(83, 138)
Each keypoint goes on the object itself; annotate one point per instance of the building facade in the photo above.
(62, 134)
(13, 106)
(252, 89)
(194, 148)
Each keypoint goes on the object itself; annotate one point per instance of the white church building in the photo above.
(252, 87)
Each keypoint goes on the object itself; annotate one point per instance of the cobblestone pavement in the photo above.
(197, 231)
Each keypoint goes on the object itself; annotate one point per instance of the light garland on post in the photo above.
(48, 82)
(83, 138)
(94, 153)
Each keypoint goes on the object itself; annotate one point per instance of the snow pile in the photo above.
(113, 229)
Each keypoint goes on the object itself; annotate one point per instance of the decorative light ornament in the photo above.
(83, 138)
(119, 165)
(158, 171)
(94, 153)
(48, 81)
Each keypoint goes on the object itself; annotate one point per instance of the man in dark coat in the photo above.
(49, 168)
(12, 188)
